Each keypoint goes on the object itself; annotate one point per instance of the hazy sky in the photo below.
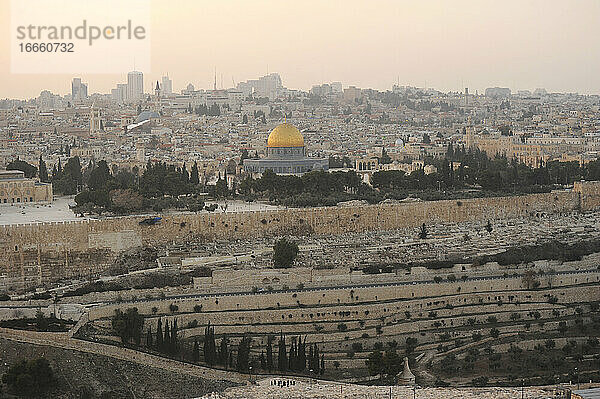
(446, 45)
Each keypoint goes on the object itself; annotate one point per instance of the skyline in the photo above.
(433, 44)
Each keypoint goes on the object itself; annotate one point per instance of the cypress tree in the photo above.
(206, 344)
(263, 361)
(149, 338)
(43, 170)
(292, 355)
(282, 357)
(196, 352)
(194, 177)
(159, 336)
(322, 364)
(301, 354)
(185, 174)
(270, 352)
(243, 355)
(209, 345)
(174, 343)
(223, 351)
(316, 369)
(167, 338)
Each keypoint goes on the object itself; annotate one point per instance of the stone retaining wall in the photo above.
(35, 254)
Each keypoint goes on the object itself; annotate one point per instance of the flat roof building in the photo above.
(16, 188)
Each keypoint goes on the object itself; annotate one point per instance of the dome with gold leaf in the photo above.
(285, 135)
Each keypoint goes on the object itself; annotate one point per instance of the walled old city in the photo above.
(261, 241)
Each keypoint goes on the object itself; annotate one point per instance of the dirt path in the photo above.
(62, 340)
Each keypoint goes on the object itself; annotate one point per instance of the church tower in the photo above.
(96, 125)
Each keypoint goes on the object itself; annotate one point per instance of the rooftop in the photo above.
(12, 175)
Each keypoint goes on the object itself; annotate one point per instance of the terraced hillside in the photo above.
(428, 320)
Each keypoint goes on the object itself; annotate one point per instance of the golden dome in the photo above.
(285, 135)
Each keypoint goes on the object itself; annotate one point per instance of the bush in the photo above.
(192, 324)
(342, 327)
(173, 308)
(480, 381)
(284, 253)
(30, 378)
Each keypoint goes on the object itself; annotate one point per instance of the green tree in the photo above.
(196, 352)
(41, 321)
(243, 355)
(284, 253)
(30, 378)
(210, 349)
(43, 170)
(194, 177)
(224, 351)
(69, 179)
(269, 359)
(29, 170)
(282, 363)
(100, 177)
(375, 363)
(159, 336)
(221, 189)
(411, 344)
(423, 232)
(385, 158)
(128, 325)
(125, 201)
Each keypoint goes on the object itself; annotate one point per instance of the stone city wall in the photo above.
(35, 254)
